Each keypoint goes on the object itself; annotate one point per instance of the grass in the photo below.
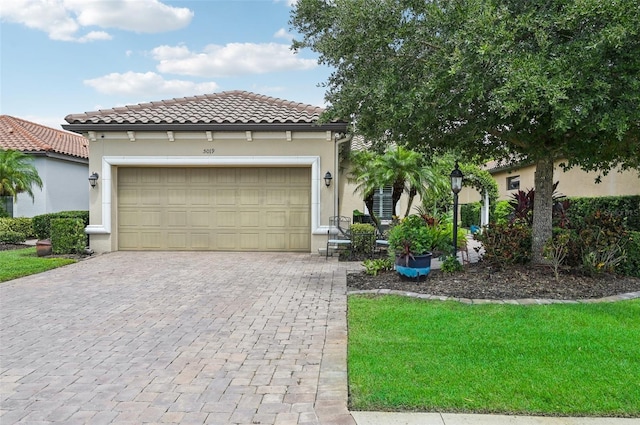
(560, 359)
(17, 263)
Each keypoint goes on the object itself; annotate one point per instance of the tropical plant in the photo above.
(523, 204)
(376, 265)
(405, 171)
(364, 174)
(492, 79)
(450, 264)
(17, 174)
(402, 169)
(414, 236)
(505, 244)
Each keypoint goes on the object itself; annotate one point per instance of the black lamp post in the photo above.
(456, 187)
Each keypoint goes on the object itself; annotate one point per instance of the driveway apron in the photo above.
(176, 337)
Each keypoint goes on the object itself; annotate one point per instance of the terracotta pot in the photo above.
(43, 247)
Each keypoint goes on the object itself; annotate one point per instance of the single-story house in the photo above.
(230, 171)
(61, 159)
(574, 182)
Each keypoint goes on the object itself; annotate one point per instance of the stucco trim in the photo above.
(108, 162)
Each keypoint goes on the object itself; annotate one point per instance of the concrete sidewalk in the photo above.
(393, 418)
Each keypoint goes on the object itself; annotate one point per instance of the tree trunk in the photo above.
(542, 208)
(368, 202)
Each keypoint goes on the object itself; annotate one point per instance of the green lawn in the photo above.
(561, 359)
(23, 262)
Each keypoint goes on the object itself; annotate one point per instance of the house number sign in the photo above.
(208, 151)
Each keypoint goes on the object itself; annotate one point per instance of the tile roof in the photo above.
(29, 137)
(230, 107)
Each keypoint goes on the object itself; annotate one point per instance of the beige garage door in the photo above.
(221, 209)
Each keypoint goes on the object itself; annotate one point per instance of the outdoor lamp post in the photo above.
(456, 187)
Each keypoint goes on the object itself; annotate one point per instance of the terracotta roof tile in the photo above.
(29, 137)
(230, 107)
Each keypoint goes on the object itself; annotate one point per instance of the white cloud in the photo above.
(64, 19)
(290, 3)
(230, 60)
(148, 84)
(282, 33)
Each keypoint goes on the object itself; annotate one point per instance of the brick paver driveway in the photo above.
(141, 337)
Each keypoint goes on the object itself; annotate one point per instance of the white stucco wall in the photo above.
(64, 187)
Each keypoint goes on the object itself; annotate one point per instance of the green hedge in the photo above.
(470, 214)
(42, 223)
(363, 237)
(67, 236)
(18, 224)
(626, 207)
(10, 236)
(631, 265)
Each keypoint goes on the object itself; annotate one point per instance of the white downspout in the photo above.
(336, 179)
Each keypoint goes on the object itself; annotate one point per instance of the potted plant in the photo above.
(411, 242)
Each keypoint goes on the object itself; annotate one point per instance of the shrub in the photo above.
(363, 238)
(374, 266)
(10, 236)
(42, 223)
(502, 212)
(67, 236)
(597, 243)
(631, 265)
(506, 244)
(450, 264)
(556, 250)
(17, 224)
(470, 214)
(626, 208)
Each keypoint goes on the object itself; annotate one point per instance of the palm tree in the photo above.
(400, 168)
(405, 171)
(365, 174)
(17, 174)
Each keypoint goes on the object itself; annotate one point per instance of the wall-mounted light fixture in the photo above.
(93, 179)
(327, 179)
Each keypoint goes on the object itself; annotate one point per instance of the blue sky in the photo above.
(60, 57)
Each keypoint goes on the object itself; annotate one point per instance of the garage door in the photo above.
(220, 209)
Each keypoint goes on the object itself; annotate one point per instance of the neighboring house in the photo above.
(574, 182)
(230, 171)
(61, 159)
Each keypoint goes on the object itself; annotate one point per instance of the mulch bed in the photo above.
(480, 281)
(8, 246)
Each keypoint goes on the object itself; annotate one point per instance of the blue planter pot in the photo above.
(419, 265)
(416, 262)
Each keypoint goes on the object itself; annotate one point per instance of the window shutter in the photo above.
(382, 203)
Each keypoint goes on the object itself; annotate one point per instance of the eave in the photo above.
(84, 127)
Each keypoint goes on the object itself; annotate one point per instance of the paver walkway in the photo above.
(218, 338)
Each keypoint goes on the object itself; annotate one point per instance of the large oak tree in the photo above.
(539, 80)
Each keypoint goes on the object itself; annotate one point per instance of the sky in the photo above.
(61, 57)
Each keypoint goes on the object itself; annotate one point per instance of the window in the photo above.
(382, 203)
(513, 183)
